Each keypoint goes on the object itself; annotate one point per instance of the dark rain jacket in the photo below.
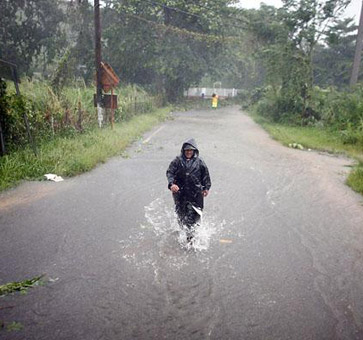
(191, 176)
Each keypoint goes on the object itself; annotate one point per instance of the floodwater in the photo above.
(278, 254)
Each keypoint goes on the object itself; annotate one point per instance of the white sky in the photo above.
(352, 11)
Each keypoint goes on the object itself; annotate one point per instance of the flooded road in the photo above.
(278, 255)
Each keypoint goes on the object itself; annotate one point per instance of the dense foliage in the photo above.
(307, 52)
(281, 56)
(30, 30)
(66, 113)
(165, 46)
(168, 45)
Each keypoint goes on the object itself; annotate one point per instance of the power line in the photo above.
(195, 15)
(229, 17)
(173, 8)
(183, 31)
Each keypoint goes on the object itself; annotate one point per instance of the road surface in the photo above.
(279, 254)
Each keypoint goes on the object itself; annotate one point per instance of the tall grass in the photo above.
(67, 112)
(68, 156)
(329, 108)
(355, 179)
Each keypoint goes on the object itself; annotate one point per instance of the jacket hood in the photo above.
(193, 143)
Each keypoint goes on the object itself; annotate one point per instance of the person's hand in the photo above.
(205, 193)
(174, 188)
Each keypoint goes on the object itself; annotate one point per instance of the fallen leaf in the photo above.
(225, 241)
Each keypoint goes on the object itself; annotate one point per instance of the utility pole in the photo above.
(98, 60)
(2, 141)
(358, 51)
(2, 138)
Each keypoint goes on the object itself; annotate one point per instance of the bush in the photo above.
(13, 123)
(279, 107)
(352, 136)
(66, 113)
(341, 111)
(355, 179)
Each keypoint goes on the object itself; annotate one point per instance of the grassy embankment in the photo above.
(65, 146)
(74, 155)
(318, 139)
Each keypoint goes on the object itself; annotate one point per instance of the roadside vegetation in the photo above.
(11, 327)
(65, 111)
(305, 91)
(21, 286)
(72, 155)
(344, 138)
(17, 287)
(64, 127)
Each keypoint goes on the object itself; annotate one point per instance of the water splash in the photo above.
(161, 245)
(163, 221)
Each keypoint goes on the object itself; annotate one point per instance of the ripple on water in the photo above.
(173, 276)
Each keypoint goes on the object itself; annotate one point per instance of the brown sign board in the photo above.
(106, 100)
(109, 78)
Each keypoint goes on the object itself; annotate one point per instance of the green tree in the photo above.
(168, 44)
(29, 28)
(289, 37)
(308, 22)
(80, 32)
(333, 60)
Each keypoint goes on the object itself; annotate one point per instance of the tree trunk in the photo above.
(174, 91)
(358, 51)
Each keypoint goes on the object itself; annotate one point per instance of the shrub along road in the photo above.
(279, 254)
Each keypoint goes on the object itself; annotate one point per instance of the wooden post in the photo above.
(2, 142)
(80, 116)
(358, 51)
(112, 109)
(2, 139)
(98, 59)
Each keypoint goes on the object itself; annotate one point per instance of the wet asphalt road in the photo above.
(279, 255)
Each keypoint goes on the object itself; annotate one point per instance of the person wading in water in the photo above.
(189, 181)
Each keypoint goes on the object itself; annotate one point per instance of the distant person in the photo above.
(189, 181)
(214, 101)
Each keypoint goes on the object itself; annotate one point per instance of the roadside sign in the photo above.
(109, 101)
(109, 78)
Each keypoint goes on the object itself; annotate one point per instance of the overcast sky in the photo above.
(352, 11)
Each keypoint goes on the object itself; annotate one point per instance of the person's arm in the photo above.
(206, 181)
(171, 173)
